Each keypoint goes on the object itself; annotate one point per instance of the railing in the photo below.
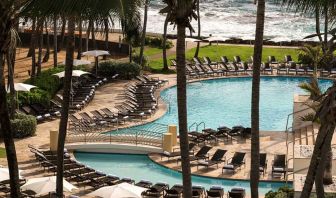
(151, 135)
(201, 123)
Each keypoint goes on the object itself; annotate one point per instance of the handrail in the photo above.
(195, 123)
(199, 125)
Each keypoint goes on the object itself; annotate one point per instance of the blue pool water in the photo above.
(227, 102)
(140, 167)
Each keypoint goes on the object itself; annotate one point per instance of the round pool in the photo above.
(140, 167)
(227, 102)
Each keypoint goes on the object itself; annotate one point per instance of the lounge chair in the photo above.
(177, 153)
(173, 63)
(215, 192)
(292, 68)
(263, 163)
(175, 191)
(235, 162)
(288, 59)
(216, 159)
(156, 191)
(144, 184)
(198, 191)
(272, 60)
(208, 61)
(279, 165)
(282, 69)
(201, 154)
(237, 193)
(266, 68)
(238, 60)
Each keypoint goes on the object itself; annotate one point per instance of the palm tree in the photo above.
(47, 54)
(255, 144)
(181, 14)
(61, 41)
(55, 41)
(326, 115)
(199, 28)
(164, 44)
(314, 53)
(40, 45)
(10, 11)
(144, 27)
(80, 42)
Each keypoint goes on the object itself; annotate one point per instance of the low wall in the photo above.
(113, 148)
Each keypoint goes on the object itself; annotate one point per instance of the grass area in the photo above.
(2, 153)
(245, 52)
(149, 51)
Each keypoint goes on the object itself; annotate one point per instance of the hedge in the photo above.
(125, 70)
(158, 42)
(23, 125)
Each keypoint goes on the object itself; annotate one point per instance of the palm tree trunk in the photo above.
(32, 39)
(47, 54)
(199, 28)
(70, 49)
(327, 178)
(61, 42)
(321, 146)
(93, 36)
(164, 50)
(88, 30)
(5, 123)
(10, 66)
(143, 39)
(317, 23)
(33, 46)
(40, 44)
(326, 21)
(255, 144)
(106, 30)
(181, 80)
(55, 41)
(80, 44)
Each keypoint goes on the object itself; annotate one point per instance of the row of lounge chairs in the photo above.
(139, 102)
(86, 176)
(224, 133)
(232, 164)
(159, 190)
(207, 68)
(41, 112)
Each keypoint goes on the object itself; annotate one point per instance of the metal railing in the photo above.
(151, 134)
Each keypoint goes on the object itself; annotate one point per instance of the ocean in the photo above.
(236, 18)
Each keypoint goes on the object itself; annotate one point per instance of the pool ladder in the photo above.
(197, 125)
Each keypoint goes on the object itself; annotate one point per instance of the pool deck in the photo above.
(107, 96)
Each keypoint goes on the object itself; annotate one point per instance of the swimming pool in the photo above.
(227, 102)
(140, 167)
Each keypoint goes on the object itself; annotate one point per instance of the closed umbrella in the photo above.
(4, 174)
(45, 185)
(96, 53)
(123, 190)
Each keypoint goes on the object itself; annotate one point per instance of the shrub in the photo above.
(136, 59)
(125, 70)
(34, 96)
(283, 192)
(303, 58)
(158, 42)
(23, 125)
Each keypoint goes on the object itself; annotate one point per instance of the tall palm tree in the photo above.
(47, 54)
(10, 11)
(181, 13)
(144, 27)
(80, 42)
(55, 41)
(327, 116)
(164, 44)
(199, 28)
(255, 144)
(40, 45)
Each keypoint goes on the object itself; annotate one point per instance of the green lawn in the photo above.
(2, 153)
(149, 51)
(215, 52)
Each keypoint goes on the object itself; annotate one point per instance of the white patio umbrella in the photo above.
(123, 190)
(45, 185)
(77, 62)
(190, 40)
(4, 174)
(22, 87)
(75, 73)
(96, 53)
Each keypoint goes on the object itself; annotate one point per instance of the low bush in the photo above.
(158, 42)
(303, 58)
(136, 59)
(34, 96)
(125, 70)
(23, 125)
(283, 192)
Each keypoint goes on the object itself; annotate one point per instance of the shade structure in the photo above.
(23, 87)
(192, 40)
(77, 62)
(95, 53)
(216, 39)
(45, 185)
(75, 73)
(123, 190)
(4, 174)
